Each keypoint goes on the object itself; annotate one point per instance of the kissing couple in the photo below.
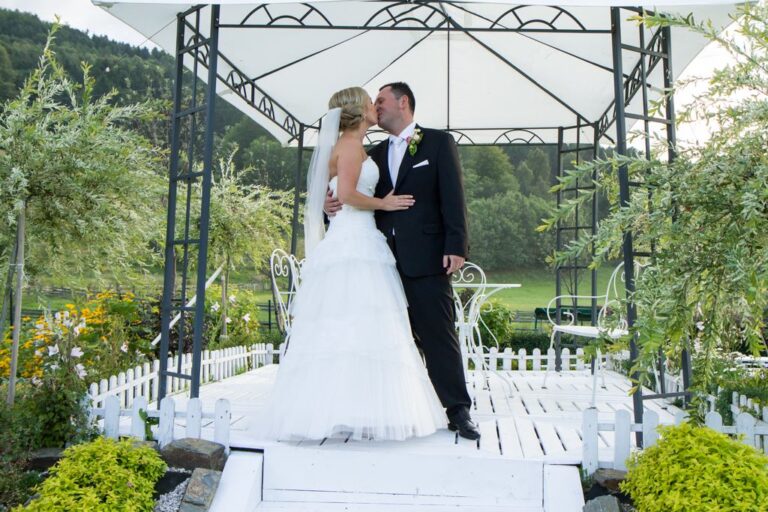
(373, 351)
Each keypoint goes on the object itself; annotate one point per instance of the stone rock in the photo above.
(192, 453)
(603, 504)
(610, 478)
(200, 490)
(137, 443)
(44, 458)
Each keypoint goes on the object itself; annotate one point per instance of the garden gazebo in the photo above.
(579, 74)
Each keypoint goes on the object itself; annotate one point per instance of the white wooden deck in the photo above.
(525, 462)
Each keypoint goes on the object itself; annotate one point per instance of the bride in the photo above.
(351, 367)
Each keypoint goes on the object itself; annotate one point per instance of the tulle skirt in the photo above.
(351, 367)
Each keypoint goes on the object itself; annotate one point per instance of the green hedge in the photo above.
(697, 469)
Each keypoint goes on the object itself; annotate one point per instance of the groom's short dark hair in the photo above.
(401, 88)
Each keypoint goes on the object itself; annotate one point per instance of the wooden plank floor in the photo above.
(533, 423)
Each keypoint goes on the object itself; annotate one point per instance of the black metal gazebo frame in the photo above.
(199, 45)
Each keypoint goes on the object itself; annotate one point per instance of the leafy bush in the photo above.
(754, 386)
(242, 317)
(101, 475)
(15, 445)
(697, 469)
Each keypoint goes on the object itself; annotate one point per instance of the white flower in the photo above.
(124, 347)
(57, 316)
(76, 352)
(39, 327)
(80, 369)
(36, 381)
(215, 307)
(53, 350)
(54, 367)
(231, 299)
(700, 325)
(247, 317)
(66, 314)
(228, 320)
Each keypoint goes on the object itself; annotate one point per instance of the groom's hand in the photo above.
(331, 205)
(452, 263)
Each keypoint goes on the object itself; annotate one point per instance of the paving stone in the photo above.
(200, 490)
(192, 453)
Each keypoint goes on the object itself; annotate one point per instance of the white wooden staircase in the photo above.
(371, 478)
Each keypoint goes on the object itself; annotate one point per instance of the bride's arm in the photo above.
(348, 165)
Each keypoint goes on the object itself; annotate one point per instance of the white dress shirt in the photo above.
(397, 147)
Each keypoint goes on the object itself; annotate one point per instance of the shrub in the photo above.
(101, 475)
(695, 468)
(15, 444)
(242, 317)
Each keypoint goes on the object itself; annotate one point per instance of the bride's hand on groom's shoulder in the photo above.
(392, 203)
(331, 205)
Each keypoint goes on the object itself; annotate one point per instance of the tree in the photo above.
(246, 223)
(707, 286)
(487, 172)
(534, 174)
(78, 190)
(503, 233)
(7, 76)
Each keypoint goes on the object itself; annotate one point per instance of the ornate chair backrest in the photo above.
(285, 272)
(613, 314)
(466, 300)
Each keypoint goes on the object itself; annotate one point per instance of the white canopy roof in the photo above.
(478, 68)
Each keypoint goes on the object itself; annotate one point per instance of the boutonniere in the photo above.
(413, 141)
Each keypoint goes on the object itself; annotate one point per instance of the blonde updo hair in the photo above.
(352, 103)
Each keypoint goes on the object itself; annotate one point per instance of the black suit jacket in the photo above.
(437, 223)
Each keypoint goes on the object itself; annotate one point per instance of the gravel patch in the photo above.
(171, 501)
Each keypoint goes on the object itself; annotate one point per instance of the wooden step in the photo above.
(301, 474)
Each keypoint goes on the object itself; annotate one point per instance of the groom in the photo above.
(429, 239)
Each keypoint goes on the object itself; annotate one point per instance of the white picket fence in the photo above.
(144, 380)
(537, 361)
(753, 432)
(195, 418)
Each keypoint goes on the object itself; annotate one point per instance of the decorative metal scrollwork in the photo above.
(300, 15)
(526, 137)
(560, 19)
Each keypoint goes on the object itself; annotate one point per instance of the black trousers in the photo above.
(432, 315)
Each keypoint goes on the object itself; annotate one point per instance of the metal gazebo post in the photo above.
(624, 196)
(297, 192)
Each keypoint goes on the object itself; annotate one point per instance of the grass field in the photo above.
(538, 288)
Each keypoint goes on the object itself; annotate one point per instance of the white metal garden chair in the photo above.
(611, 319)
(472, 280)
(285, 271)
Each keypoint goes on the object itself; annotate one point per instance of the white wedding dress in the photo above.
(352, 367)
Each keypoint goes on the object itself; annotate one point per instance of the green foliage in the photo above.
(487, 172)
(502, 231)
(752, 385)
(103, 475)
(69, 160)
(243, 313)
(496, 323)
(708, 284)
(58, 400)
(15, 444)
(695, 468)
(246, 221)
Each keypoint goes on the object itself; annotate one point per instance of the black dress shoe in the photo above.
(466, 429)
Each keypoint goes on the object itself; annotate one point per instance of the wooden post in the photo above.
(194, 418)
(622, 435)
(167, 419)
(137, 424)
(589, 440)
(111, 417)
(650, 424)
(223, 416)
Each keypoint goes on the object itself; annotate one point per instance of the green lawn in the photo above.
(538, 288)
